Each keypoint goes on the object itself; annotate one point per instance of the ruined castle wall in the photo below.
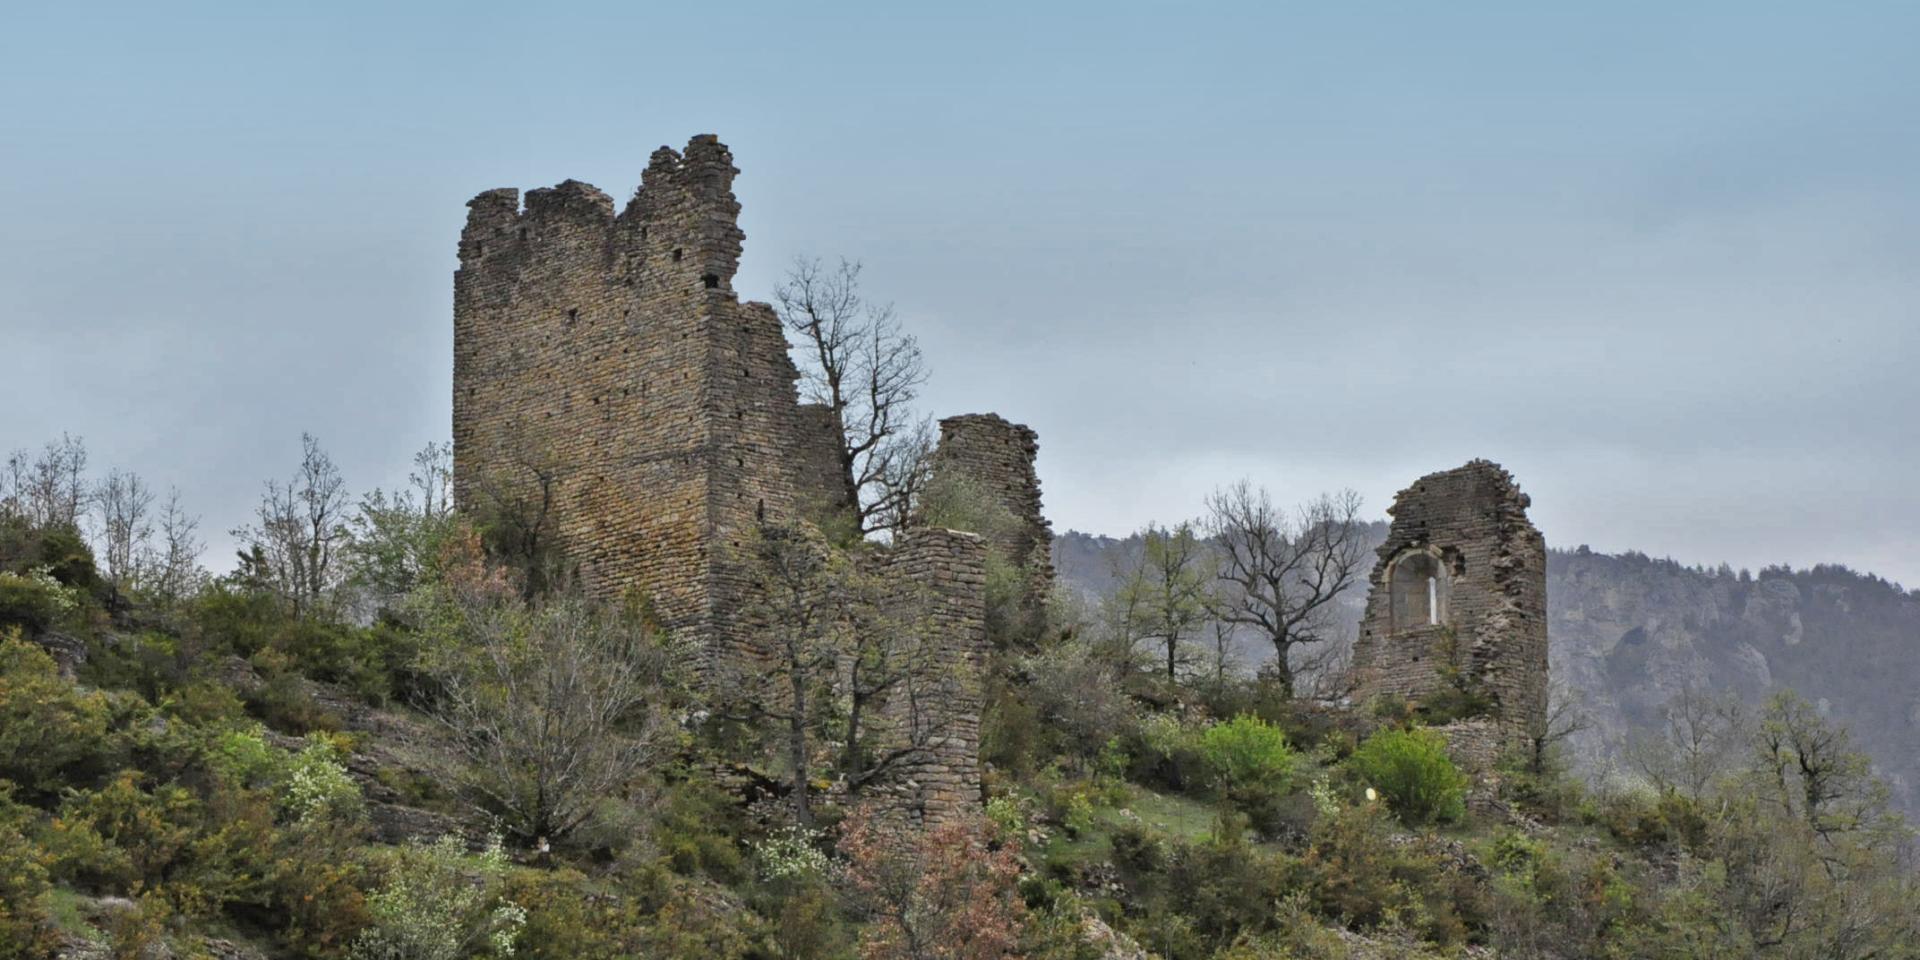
(941, 575)
(607, 378)
(609, 353)
(824, 487)
(1462, 552)
(997, 459)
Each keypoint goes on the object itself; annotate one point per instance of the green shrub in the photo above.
(696, 829)
(26, 928)
(60, 551)
(33, 599)
(1139, 849)
(440, 903)
(1248, 754)
(51, 734)
(1167, 752)
(1358, 875)
(566, 920)
(1411, 770)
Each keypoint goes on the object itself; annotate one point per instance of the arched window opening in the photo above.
(1418, 591)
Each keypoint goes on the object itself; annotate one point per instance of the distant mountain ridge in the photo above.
(1628, 632)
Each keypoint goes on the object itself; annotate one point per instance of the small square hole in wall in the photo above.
(712, 280)
(676, 255)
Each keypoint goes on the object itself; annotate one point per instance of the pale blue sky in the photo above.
(1659, 262)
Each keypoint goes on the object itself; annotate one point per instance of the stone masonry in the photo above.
(605, 369)
(943, 575)
(609, 352)
(1460, 592)
(997, 458)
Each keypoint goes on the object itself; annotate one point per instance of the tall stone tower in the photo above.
(605, 371)
(608, 382)
(1459, 595)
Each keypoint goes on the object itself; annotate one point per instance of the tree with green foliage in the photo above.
(52, 735)
(396, 539)
(1412, 772)
(1164, 600)
(441, 903)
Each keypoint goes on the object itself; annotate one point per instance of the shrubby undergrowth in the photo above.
(431, 746)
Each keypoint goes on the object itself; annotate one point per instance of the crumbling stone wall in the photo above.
(609, 353)
(940, 576)
(996, 458)
(1460, 595)
(606, 373)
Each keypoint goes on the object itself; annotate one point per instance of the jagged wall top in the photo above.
(691, 189)
(1459, 595)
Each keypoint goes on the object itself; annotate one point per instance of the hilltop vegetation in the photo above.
(395, 731)
(1631, 633)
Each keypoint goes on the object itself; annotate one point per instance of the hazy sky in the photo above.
(1663, 264)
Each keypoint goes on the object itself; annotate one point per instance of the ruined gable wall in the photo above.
(612, 352)
(1473, 520)
(997, 458)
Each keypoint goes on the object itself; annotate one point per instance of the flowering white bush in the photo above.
(790, 853)
(318, 785)
(441, 903)
(1325, 801)
(35, 597)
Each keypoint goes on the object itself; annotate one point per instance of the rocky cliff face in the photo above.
(1626, 632)
(1629, 632)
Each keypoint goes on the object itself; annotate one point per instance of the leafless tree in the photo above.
(794, 577)
(858, 361)
(299, 530)
(905, 472)
(553, 706)
(175, 564)
(13, 481)
(900, 698)
(1695, 746)
(1563, 718)
(1325, 672)
(126, 528)
(1280, 575)
(50, 489)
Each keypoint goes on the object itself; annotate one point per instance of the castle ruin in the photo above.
(606, 374)
(1458, 605)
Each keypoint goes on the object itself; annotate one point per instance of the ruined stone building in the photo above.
(606, 374)
(995, 459)
(1458, 603)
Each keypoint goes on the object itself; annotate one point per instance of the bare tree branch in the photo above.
(1280, 576)
(858, 361)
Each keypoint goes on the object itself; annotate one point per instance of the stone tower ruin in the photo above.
(995, 458)
(604, 370)
(608, 381)
(1458, 603)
